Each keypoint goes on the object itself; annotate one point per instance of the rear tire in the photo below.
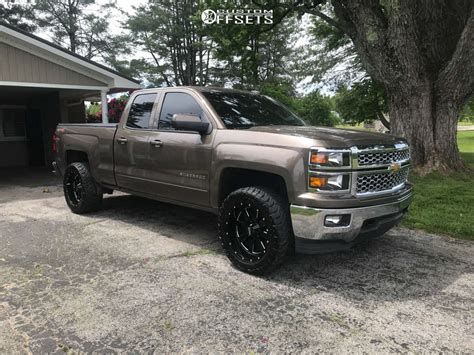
(255, 229)
(80, 190)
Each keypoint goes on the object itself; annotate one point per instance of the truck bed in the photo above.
(97, 138)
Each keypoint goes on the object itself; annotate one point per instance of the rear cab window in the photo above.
(140, 111)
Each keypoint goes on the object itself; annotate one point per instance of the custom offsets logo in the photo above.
(238, 17)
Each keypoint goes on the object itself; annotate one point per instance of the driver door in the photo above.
(181, 160)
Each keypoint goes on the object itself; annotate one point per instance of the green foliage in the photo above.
(364, 101)
(314, 108)
(251, 55)
(330, 55)
(81, 26)
(329, 36)
(467, 114)
(20, 16)
(133, 68)
(282, 92)
(93, 112)
(179, 52)
(317, 110)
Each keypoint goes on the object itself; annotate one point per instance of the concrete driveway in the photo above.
(146, 276)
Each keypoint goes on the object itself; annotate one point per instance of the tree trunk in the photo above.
(72, 41)
(446, 118)
(432, 136)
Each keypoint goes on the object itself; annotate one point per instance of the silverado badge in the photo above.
(394, 168)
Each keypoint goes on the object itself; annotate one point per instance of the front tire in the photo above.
(80, 190)
(255, 229)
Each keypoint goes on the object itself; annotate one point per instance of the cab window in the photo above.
(140, 111)
(178, 103)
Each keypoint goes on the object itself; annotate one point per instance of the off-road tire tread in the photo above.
(92, 200)
(278, 209)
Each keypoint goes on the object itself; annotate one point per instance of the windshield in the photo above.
(241, 110)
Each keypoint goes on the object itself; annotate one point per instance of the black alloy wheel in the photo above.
(73, 187)
(255, 229)
(81, 192)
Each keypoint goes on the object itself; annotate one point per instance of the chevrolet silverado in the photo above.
(277, 184)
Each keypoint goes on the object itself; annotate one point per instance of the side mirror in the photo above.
(193, 123)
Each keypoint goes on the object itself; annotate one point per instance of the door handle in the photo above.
(122, 140)
(156, 143)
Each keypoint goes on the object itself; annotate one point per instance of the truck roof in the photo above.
(204, 89)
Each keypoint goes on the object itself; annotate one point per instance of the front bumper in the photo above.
(309, 223)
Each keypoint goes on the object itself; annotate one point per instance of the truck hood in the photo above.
(333, 137)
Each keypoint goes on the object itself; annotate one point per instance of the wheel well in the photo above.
(236, 178)
(73, 156)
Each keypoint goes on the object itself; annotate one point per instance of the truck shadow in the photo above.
(399, 265)
(180, 223)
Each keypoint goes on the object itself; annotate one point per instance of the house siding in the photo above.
(19, 66)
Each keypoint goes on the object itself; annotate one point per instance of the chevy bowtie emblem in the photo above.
(394, 168)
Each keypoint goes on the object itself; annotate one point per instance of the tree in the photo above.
(86, 33)
(63, 17)
(362, 102)
(282, 92)
(20, 16)
(330, 56)
(180, 53)
(251, 57)
(420, 53)
(467, 114)
(316, 109)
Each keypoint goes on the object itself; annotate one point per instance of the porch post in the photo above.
(105, 109)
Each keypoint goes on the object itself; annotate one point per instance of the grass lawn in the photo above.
(445, 204)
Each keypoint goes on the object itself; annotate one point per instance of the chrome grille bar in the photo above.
(381, 158)
(380, 181)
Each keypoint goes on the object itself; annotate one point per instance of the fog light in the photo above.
(341, 220)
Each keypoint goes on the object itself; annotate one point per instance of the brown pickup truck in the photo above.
(277, 184)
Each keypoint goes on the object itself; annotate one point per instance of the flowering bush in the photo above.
(115, 109)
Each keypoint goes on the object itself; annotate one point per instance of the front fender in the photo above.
(283, 161)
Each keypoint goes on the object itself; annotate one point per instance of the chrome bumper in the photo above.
(309, 223)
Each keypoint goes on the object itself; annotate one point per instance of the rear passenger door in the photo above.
(132, 144)
(181, 160)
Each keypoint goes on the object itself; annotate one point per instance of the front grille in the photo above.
(379, 158)
(377, 182)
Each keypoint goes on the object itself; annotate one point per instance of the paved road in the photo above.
(142, 276)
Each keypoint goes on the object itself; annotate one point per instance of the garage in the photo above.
(41, 85)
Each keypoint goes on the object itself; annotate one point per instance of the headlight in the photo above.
(329, 159)
(329, 182)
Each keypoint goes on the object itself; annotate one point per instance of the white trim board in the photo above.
(52, 86)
